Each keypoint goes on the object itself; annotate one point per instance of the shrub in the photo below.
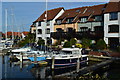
(67, 44)
(86, 43)
(41, 42)
(101, 44)
(73, 41)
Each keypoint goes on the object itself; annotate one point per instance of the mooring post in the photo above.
(53, 62)
(35, 57)
(21, 57)
(21, 60)
(78, 63)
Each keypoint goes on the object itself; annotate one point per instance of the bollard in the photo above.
(35, 57)
(53, 62)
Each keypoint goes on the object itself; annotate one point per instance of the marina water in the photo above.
(15, 71)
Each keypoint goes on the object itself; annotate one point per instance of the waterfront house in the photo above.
(91, 22)
(45, 24)
(80, 23)
(66, 24)
(112, 24)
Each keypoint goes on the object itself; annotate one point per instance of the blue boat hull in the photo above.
(37, 59)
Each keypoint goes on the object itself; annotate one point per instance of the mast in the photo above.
(6, 23)
(12, 15)
(46, 19)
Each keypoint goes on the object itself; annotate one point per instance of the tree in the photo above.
(86, 43)
(30, 38)
(101, 44)
(73, 41)
(67, 44)
(41, 42)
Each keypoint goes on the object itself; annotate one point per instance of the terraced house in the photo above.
(112, 24)
(83, 22)
(45, 24)
(93, 22)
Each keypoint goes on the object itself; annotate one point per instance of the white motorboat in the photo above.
(67, 57)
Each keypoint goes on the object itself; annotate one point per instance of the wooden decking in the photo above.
(86, 69)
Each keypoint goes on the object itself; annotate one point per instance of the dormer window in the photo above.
(78, 10)
(58, 21)
(69, 20)
(83, 20)
(98, 18)
(114, 16)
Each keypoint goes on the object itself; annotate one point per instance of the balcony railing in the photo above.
(78, 35)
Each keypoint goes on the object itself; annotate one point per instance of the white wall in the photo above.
(107, 22)
(43, 27)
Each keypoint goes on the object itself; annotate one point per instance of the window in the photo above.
(83, 29)
(83, 19)
(98, 18)
(58, 21)
(39, 31)
(78, 10)
(48, 23)
(69, 29)
(113, 16)
(113, 28)
(47, 31)
(98, 28)
(69, 20)
(59, 30)
(39, 23)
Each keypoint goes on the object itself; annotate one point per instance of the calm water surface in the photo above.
(17, 71)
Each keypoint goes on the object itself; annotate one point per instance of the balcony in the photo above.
(78, 35)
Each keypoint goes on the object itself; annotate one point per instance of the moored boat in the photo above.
(67, 57)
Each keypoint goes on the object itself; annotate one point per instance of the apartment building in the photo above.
(112, 24)
(45, 23)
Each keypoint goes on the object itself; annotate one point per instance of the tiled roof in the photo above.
(25, 33)
(32, 26)
(15, 33)
(93, 10)
(70, 13)
(50, 14)
(82, 12)
(112, 7)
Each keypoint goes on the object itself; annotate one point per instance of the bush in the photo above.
(101, 44)
(73, 41)
(86, 43)
(41, 42)
(67, 44)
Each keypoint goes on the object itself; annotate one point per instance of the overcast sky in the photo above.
(27, 12)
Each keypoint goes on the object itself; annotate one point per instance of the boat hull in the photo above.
(67, 62)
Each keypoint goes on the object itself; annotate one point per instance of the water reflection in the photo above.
(27, 70)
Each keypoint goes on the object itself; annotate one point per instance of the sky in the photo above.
(24, 13)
